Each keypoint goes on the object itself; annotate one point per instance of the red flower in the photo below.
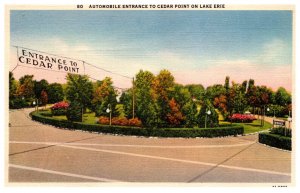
(60, 105)
(242, 118)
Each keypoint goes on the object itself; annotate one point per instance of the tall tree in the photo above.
(282, 97)
(163, 85)
(227, 83)
(44, 98)
(26, 87)
(145, 104)
(197, 91)
(237, 98)
(126, 100)
(215, 91)
(55, 93)
(40, 86)
(12, 86)
(174, 117)
(105, 97)
(79, 89)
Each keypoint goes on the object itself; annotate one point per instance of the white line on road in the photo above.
(177, 160)
(75, 146)
(62, 173)
(137, 146)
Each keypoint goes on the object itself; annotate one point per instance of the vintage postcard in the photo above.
(135, 94)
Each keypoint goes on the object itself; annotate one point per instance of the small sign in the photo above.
(279, 123)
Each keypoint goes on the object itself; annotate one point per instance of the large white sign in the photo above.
(36, 59)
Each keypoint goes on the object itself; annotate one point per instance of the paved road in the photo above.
(42, 153)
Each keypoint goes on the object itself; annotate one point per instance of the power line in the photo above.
(108, 71)
(123, 89)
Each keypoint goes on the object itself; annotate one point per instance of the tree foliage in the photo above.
(40, 86)
(210, 120)
(44, 97)
(105, 97)
(26, 87)
(79, 90)
(55, 93)
(146, 110)
(174, 117)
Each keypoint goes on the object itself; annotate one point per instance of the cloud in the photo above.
(240, 70)
(186, 68)
(275, 52)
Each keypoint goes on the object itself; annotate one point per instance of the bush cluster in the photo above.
(122, 121)
(241, 118)
(283, 131)
(275, 140)
(140, 131)
(74, 111)
(60, 108)
(18, 103)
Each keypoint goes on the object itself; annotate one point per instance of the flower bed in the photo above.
(59, 108)
(122, 121)
(242, 118)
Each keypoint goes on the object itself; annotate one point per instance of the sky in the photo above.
(200, 47)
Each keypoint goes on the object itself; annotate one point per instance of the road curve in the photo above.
(42, 153)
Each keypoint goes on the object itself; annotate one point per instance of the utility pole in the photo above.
(133, 97)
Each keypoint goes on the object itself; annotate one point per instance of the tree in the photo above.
(26, 87)
(252, 95)
(126, 100)
(79, 91)
(210, 120)
(104, 96)
(15, 101)
(145, 104)
(40, 86)
(226, 84)
(174, 117)
(220, 102)
(186, 103)
(197, 91)
(12, 86)
(55, 93)
(189, 111)
(44, 98)
(237, 99)
(215, 91)
(75, 110)
(282, 97)
(162, 86)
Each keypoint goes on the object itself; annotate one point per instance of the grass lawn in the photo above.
(254, 126)
(88, 118)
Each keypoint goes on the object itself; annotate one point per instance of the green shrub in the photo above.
(17, 103)
(283, 131)
(275, 140)
(74, 111)
(140, 131)
(203, 118)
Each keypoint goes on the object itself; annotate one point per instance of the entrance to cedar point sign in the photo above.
(60, 65)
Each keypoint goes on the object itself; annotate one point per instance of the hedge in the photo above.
(275, 140)
(282, 131)
(139, 131)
